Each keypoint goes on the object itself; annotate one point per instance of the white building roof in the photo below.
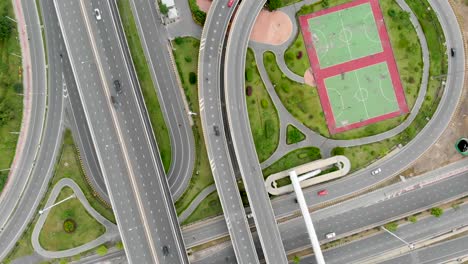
(172, 14)
(169, 3)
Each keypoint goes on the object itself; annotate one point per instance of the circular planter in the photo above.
(69, 226)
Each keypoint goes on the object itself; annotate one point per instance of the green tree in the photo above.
(437, 211)
(101, 250)
(163, 8)
(6, 27)
(412, 219)
(274, 4)
(296, 259)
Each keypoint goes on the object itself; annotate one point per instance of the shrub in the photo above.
(119, 245)
(264, 103)
(6, 27)
(338, 151)
(296, 260)
(392, 227)
(179, 40)
(188, 59)
(392, 13)
(249, 74)
(192, 78)
(163, 8)
(299, 55)
(69, 226)
(248, 90)
(412, 219)
(437, 211)
(325, 4)
(101, 250)
(18, 87)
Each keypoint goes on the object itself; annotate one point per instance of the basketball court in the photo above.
(353, 65)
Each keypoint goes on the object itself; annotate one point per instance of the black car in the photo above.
(117, 86)
(165, 250)
(216, 130)
(452, 52)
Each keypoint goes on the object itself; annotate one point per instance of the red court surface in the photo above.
(320, 74)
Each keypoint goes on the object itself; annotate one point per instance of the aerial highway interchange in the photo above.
(80, 74)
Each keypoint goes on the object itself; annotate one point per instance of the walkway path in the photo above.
(111, 229)
(313, 138)
(196, 202)
(184, 26)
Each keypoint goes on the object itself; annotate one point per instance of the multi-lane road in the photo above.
(132, 170)
(17, 213)
(358, 215)
(127, 156)
(209, 70)
(390, 166)
(156, 46)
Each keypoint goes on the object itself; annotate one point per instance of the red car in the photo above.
(230, 3)
(322, 192)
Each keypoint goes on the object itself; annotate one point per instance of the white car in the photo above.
(330, 235)
(377, 171)
(97, 14)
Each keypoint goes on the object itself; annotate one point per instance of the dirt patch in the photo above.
(309, 77)
(272, 28)
(443, 151)
(204, 5)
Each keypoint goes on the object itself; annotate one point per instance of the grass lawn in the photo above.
(186, 57)
(293, 159)
(264, 121)
(293, 135)
(360, 156)
(11, 104)
(53, 237)
(296, 56)
(407, 51)
(301, 100)
(209, 207)
(148, 89)
(68, 166)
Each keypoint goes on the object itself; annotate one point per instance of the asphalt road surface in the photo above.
(249, 165)
(368, 248)
(211, 46)
(390, 166)
(294, 233)
(134, 177)
(16, 214)
(439, 253)
(34, 80)
(155, 44)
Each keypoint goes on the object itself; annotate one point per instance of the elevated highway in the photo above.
(209, 94)
(133, 173)
(242, 140)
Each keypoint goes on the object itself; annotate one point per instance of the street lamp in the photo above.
(47, 208)
(410, 245)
